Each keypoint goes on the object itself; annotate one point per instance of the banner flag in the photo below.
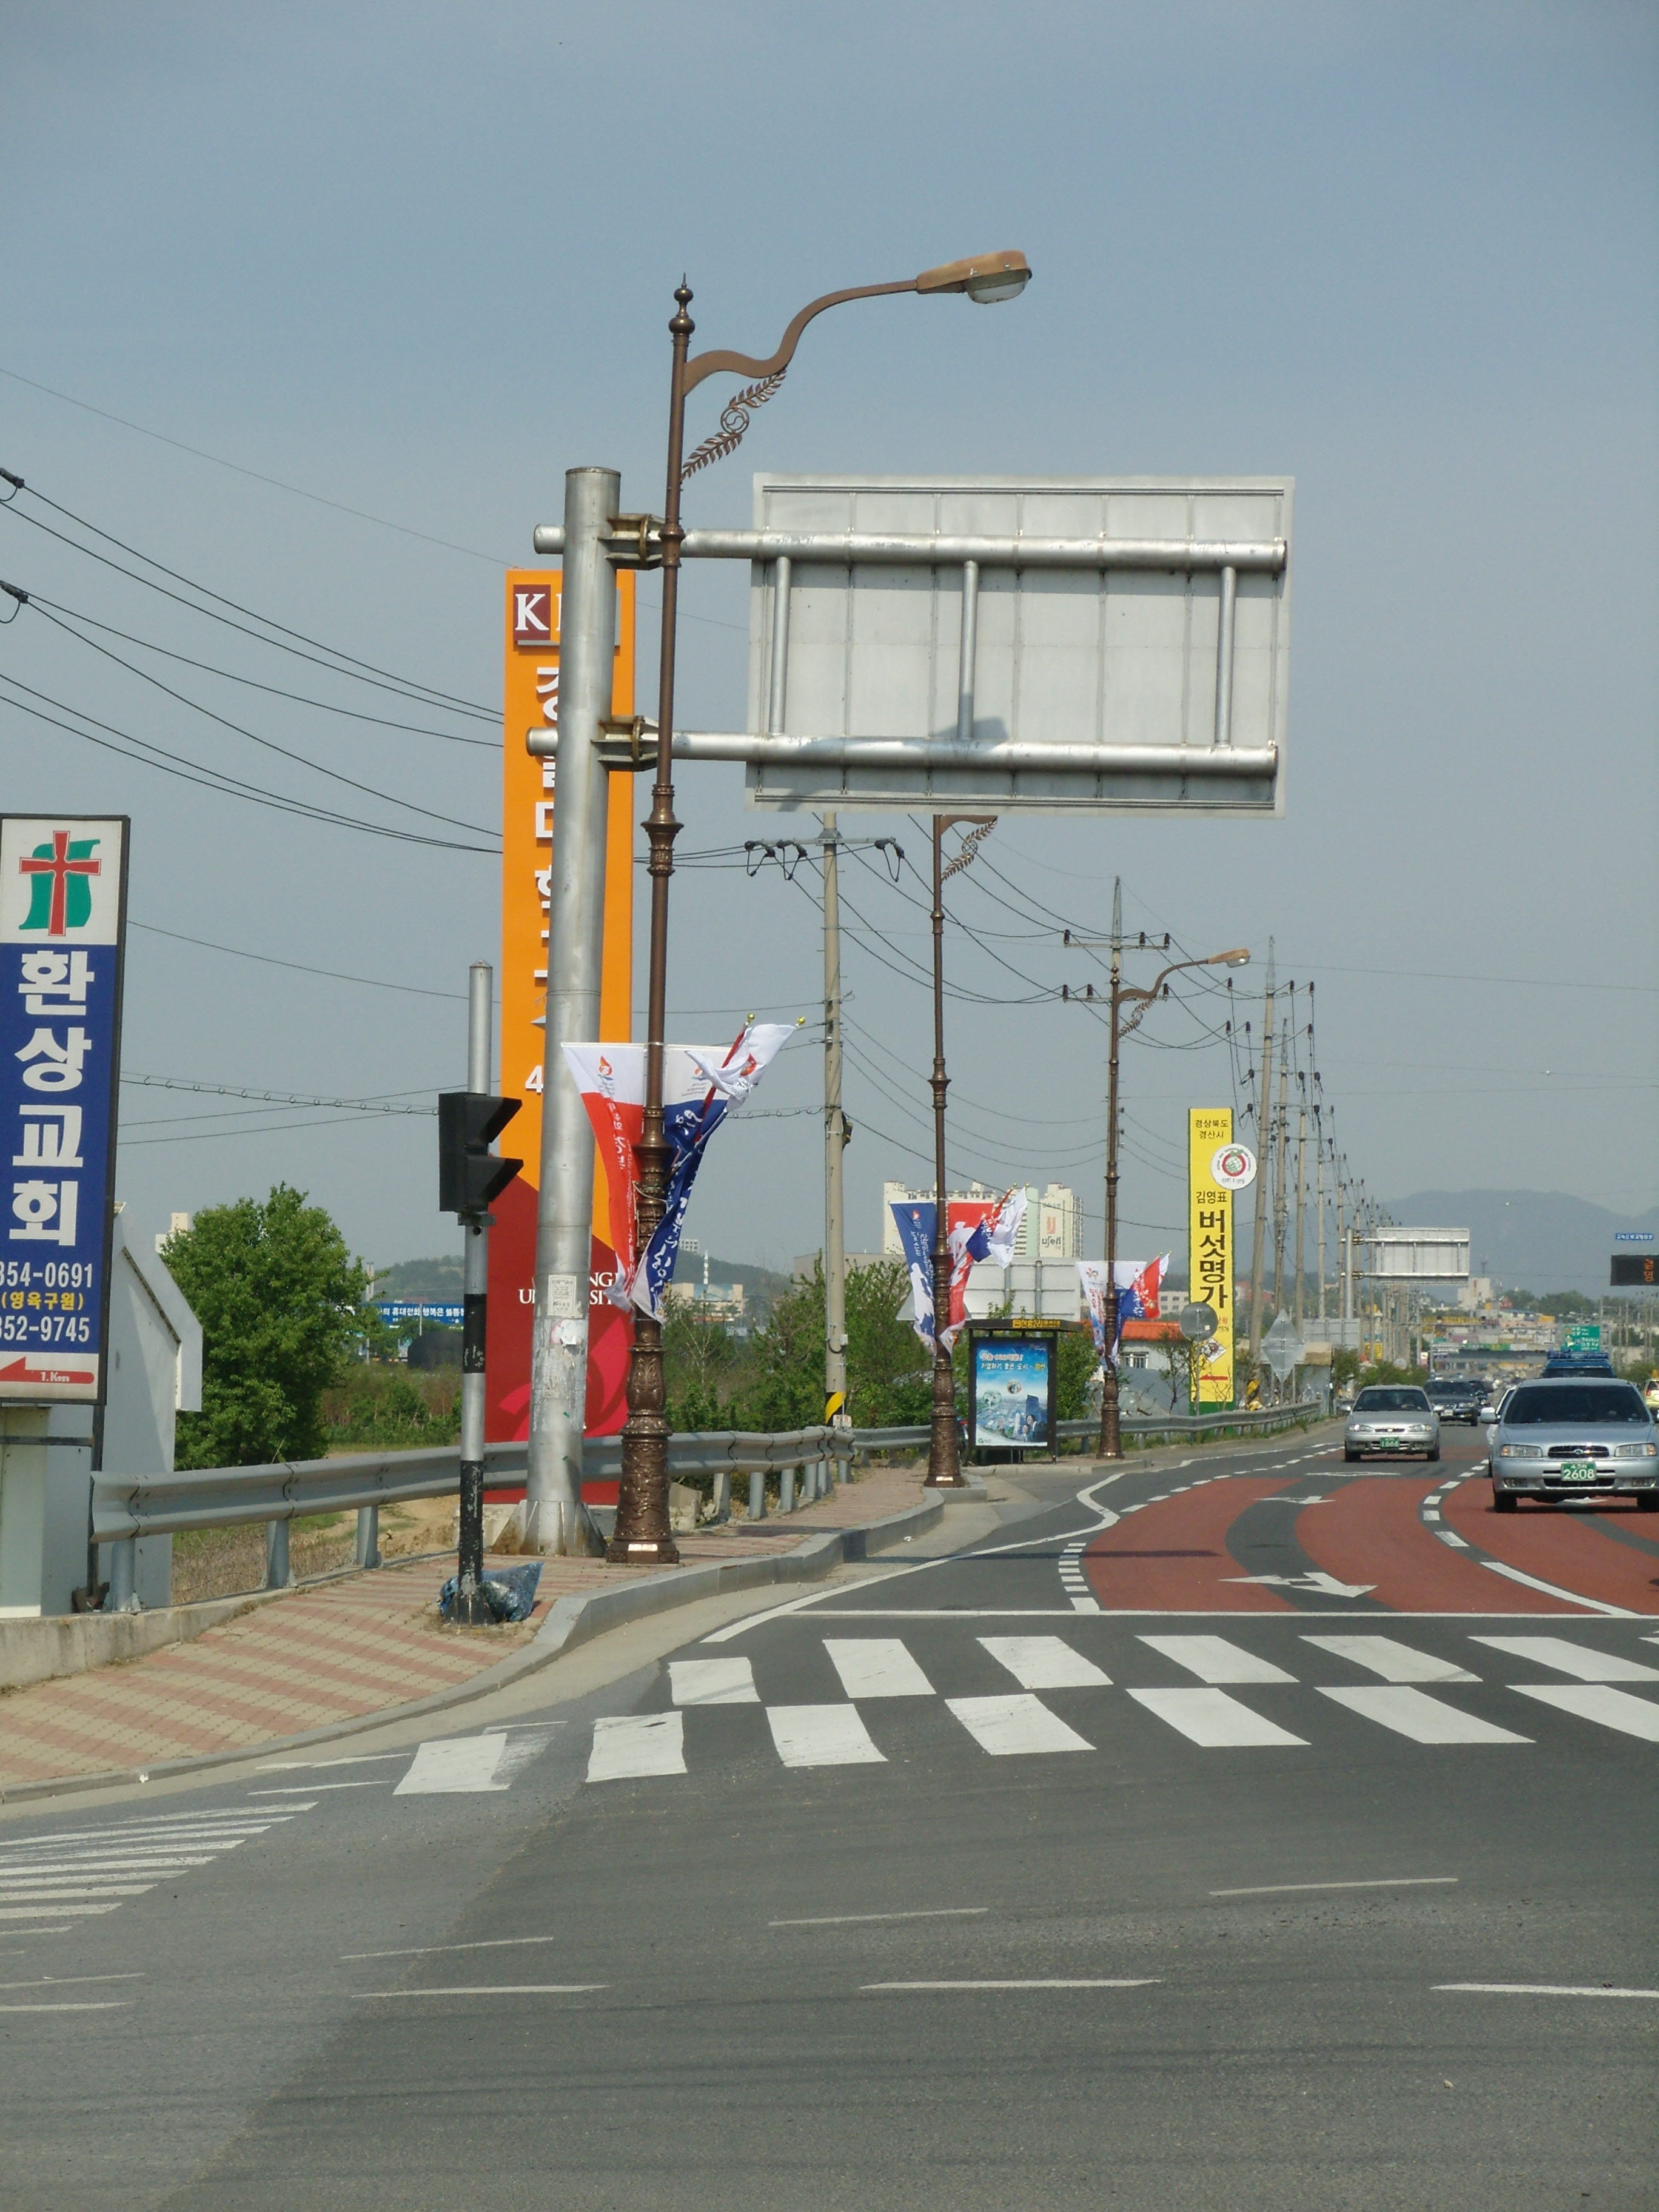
(1209, 1256)
(700, 1084)
(915, 1223)
(1139, 1285)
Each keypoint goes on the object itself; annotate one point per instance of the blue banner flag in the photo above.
(63, 923)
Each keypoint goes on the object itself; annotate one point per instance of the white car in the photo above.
(1393, 1419)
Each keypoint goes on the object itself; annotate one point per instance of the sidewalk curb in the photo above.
(570, 1621)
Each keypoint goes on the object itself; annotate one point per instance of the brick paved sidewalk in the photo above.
(338, 1651)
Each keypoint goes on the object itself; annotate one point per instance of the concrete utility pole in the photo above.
(556, 1519)
(836, 1135)
(1281, 1127)
(1301, 1180)
(1263, 1119)
(1319, 1197)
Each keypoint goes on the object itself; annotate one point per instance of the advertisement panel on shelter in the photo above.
(531, 698)
(62, 923)
(1210, 1246)
(1014, 1388)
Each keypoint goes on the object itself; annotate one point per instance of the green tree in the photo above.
(280, 1300)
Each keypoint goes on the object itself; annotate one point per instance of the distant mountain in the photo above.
(438, 1280)
(1537, 1240)
(763, 1287)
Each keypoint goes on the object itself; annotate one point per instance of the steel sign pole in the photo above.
(835, 1143)
(556, 1520)
(943, 1460)
(642, 1536)
(1111, 1441)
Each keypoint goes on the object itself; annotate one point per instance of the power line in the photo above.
(383, 1104)
(300, 967)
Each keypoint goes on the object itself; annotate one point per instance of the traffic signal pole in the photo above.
(556, 1520)
(471, 1604)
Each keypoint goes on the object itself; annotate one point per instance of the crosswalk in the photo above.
(56, 1882)
(1411, 1694)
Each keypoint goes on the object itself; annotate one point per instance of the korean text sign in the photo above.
(1013, 1390)
(1210, 1247)
(63, 919)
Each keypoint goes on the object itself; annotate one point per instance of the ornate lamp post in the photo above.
(642, 1536)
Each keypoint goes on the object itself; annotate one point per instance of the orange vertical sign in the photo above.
(531, 699)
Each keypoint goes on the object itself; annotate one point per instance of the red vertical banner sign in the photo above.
(528, 827)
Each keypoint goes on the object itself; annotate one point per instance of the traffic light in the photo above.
(1633, 1268)
(469, 1174)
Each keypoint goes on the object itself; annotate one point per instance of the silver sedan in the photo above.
(1394, 1419)
(1568, 1438)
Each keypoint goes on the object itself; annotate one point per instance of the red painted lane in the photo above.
(1566, 1549)
(1371, 1533)
(1173, 1558)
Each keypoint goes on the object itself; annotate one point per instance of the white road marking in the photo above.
(127, 1862)
(54, 1910)
(1286, 1888)
(14, 1893)
(1213, 1720)
(1008, 1727)
(1587, 1701)
(1213, 1659)
(629, 1745)
(1413, 1713)
(82, 2004)
(144, 1832)
(358, 1759)
(453, 1766)
(1541, 1989)
(1140, 1982)
(424, 1950)
(712, 1682)
(877, 1667)
(496, 1989)
(1393, 1662)
(1567, 1658)
(377, 1782)
(1550, 1590)
(1044, 1662)
(821, 1736)
(855, 1919)
(1085, 1605)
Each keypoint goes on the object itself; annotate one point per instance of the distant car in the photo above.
(1392, 1419)
(1455, 1400)
(1579, 1436)
(1651, 1394)
(1576, 1363)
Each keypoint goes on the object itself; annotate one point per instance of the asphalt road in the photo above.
(1229, 1837)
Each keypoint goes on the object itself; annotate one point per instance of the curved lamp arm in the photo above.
(986, 277)
(1234, 959)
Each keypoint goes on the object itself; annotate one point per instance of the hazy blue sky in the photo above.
(418, 260)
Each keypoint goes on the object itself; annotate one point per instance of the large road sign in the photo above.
(63, 930)
(1634, 1270)
(531, 701)
(1116, 643)
(1415, 1255)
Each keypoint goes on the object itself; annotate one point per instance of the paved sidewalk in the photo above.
(338, 1650)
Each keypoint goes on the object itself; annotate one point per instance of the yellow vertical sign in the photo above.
(1210, 1246)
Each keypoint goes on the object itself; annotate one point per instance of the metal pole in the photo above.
(1319, 1200)
(1301, 1182)
(472, 1603)
(555, 1518)
(642, 1536)
(943, 1460)
(1111, 1439)
(1263, 1120)
(1280, 1196)
(835, 1143)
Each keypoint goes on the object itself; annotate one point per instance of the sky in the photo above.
(405, 266)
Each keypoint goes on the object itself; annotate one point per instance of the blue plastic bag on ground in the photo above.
(510, 1592)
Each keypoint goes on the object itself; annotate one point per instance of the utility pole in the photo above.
(836, 1135)
(556, 1519)
(1319, 1195)
(1281, 1125)
(1258, 1237)
(1301, 1180)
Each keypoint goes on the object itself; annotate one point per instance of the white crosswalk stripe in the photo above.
(712, 1682)
(1411, 1713)
(1592, 1701)
(1215, 1721)
(1213, 1659)
(821, 1736)
(1010, 1726)
(877, 1667)
(82, 1872)
(1394, 1661)
(1044, 1662)
(1564, 1657)
(461, 1766)
(637, 1743)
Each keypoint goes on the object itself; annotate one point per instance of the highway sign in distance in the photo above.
(1632, 1236)
(1234, 1167)
(1634, 1269)
(1198, 1323)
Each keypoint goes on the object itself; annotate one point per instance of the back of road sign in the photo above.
(1103, 643)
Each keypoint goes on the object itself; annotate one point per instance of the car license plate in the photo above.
(1387, 1444)
(1578, 1470)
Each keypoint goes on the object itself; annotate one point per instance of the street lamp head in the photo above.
(985, 277)
(1238, 957)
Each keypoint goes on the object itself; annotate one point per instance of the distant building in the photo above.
(721, 1302)
(1051, 1228)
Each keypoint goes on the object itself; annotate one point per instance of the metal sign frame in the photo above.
(1054, 643)
(1415, 1255)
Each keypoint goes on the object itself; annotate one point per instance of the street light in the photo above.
(642, 1536)
(1111, 1442)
